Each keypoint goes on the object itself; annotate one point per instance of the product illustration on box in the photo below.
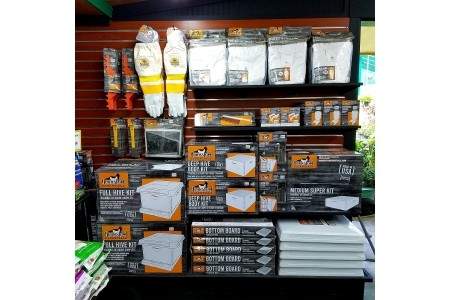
(240, 165)
(162, 250)
(160, 198)
(241, 199)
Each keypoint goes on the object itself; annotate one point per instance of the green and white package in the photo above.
(88, 254)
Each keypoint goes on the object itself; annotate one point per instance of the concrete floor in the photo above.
(369, 223)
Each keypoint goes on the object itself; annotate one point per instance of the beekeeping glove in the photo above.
(130, 80)
(175, 64)
(112, 79)
(148, 63)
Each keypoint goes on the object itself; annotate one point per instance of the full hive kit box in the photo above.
(324, 180)
(139, 248)
(221, 159)
(209, 196)
(133, 190)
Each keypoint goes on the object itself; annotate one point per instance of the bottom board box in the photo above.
(234, 269)
(233, 259)
(243, 249)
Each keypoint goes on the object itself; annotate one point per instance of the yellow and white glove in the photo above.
(148, 64)
(175, 64)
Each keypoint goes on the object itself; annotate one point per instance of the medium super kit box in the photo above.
(312, 113)
(245, 228)
(332, 113)
(234, 269)
(208, 196)
(164, 138)
(270, 117)
(234, 249)
(232, 240)
(350, 113)
(141, 191)
(242, 259)
(245, 118)
(221, 159)
(138, 248)
(290, 116)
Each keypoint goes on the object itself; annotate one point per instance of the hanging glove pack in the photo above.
(130, 85)
(111, 76)
(247, 56)
(207, 56)
(287, 53)
(175, 64)
(331, 57)
(148, 63)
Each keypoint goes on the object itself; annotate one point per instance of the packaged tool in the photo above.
(331, 113)
(130, 80)
(270, 117)
(164, 138)
(331, 57)
(287, 53)
(119, 137)
(221, 159)
(290, 116)
(245, 118)
(247, 56)
(207, 57)
(210, 196)
(135, 137)
(350, 113)
(111, 75)
(312, 113)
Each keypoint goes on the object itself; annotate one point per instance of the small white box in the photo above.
(240, 164)
(267, 164)
(162, 250)
(341, 202)
(267, 203)
(241, 199)
(160, 198)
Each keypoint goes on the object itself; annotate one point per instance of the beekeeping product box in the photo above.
(234, 269)
(271, 193)
(232, 240)
(245, 118)
(270, 116)
(143, 248)
(350, 113)
(134, 190)
(272, 152)
(234, 249)
(208, 196)
(244, 228)
(290, 116)
(312, 113)
(221, 159)
(332, 112)
(242, 259)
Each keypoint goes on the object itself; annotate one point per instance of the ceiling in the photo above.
(84, 7)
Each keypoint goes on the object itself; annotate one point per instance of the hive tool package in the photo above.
(247, 56)
(287, 53)
(312, 113)
(141, 191)
(350, 113)
(332, 112)
(331, 57)
(149, 65)
(210, 196)
(221, 159)
(139, 248)
(164, 138)
(245, 118)
(207, 57)
(135, 137)
(324, 180)
(118, 133)
(272, 169)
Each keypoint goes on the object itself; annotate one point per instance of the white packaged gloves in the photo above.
(175, 64)
(331, 58)
(148, 63)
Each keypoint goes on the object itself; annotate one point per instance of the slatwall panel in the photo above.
(92, 116)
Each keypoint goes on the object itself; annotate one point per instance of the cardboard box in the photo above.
(130, 190)
(143, 248)
(270, 117)
(312, 113)
(235, 249)
(233, 240)
(247, 228)
(208, 196)
(241, 259)
(271, 193)
(350, 113)
(221, 159)
(290, 116)
(234, 269)
(272, 152)
(244, 118)
(332, 113)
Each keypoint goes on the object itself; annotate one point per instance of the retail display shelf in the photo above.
(277, 215)
(302, 129)
(127, 276)
(341, 86)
